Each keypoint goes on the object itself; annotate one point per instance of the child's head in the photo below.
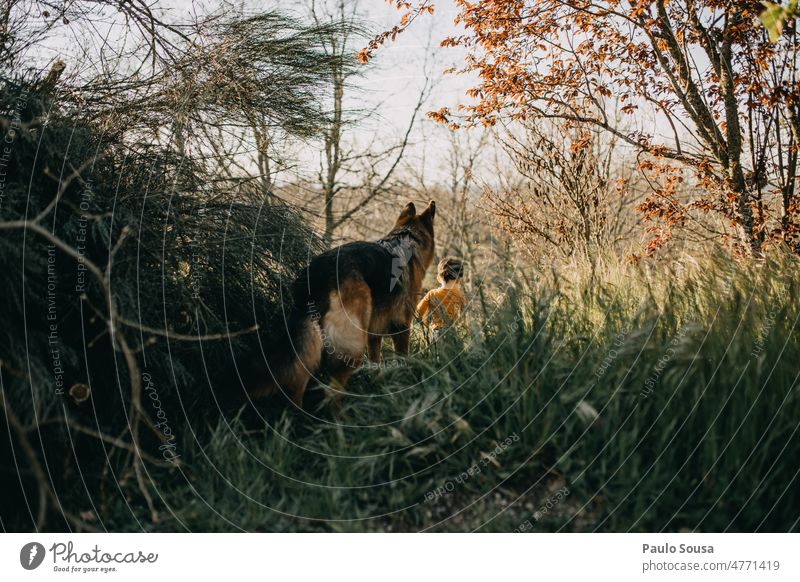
(449, 269)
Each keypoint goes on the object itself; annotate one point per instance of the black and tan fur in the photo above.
(348, 299)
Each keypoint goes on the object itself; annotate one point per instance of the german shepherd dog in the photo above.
(346, 301)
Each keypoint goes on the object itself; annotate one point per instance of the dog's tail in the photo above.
(290, 361)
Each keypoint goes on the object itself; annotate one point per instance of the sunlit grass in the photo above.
(659, 398)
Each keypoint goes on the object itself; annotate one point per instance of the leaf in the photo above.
(586, 412)
(774, 17)
(421, 451)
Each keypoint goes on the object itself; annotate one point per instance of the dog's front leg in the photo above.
(401, 337)
(374, 348)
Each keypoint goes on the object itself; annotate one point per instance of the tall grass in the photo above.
(609, 399)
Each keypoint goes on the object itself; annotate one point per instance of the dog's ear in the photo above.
(429, 213)
(409, 212)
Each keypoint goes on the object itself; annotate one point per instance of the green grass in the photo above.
(655, 400)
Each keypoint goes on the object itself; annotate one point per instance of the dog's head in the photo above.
(419, 227)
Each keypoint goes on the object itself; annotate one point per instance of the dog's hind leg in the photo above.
(288, 370)
(345, 324)
(340, 374)
(295, 391)
(308, 350)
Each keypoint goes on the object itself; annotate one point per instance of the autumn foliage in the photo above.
(696, 87)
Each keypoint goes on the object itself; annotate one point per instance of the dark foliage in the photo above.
(191, 262)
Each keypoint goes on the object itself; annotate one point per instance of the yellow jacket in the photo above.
(441, 306)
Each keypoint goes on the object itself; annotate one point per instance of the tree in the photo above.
(347, 168)
(463, 230)
(576, 196)
(705, 69)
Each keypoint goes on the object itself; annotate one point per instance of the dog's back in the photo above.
(348, 299)
(330, 270)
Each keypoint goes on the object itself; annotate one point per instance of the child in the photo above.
(440, 307)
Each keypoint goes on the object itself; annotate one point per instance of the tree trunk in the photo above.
(748, 238)
(333, 155)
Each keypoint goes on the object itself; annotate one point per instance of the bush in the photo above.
(187, 264)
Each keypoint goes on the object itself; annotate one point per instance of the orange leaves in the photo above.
(453, 41)
(653, 60)
(442, 115)
(364, 54)
(412, 11)
(582, 141)
(546, 53)
(399, 4)
(665, 209)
